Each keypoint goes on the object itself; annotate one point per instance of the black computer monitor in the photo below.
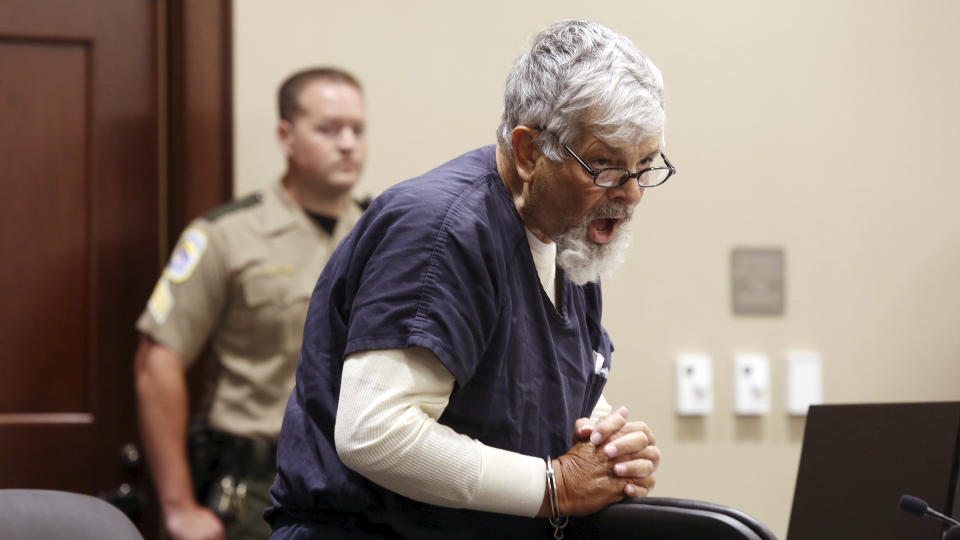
(856, 462)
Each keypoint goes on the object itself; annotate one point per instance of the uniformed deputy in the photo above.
(238, 285)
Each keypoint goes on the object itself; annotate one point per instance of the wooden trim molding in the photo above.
(200, 109)
(46, 418)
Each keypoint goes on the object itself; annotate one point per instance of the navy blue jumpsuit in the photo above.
(440, 261)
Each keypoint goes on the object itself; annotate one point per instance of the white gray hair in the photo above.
(580, 75)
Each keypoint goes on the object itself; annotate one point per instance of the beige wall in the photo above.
(827, 128)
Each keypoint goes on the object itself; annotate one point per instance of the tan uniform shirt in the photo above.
(241, 278)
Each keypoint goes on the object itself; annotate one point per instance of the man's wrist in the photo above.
(557, 520)
(546, 508)
(179, 502)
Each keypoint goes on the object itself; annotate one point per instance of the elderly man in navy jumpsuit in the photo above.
(453, 359)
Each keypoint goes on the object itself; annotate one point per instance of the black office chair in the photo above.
(657, 518)
(39, 514)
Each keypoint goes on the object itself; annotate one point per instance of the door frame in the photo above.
(197, 125)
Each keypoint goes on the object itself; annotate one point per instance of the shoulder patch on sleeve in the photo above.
(161, 301)
(239, 204)
(186, 255)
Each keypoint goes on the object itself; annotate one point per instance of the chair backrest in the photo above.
(679, 519)
(758, 528)
(39, 514)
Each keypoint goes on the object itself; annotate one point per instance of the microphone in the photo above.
(919, 507)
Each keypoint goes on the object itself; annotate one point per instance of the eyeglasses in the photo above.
(613, 177)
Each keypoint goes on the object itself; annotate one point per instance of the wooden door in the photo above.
(78, 236)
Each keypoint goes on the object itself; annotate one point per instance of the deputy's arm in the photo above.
(162, 399)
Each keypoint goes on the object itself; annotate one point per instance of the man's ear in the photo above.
(525, 151)
(285, 137)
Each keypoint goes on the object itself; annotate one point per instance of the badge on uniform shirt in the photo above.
(161, 301)
(186, 256)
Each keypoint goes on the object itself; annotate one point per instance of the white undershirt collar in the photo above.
(545, 259)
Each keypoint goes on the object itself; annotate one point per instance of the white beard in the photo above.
(583, 260)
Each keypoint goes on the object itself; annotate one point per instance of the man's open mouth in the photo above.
(601, 230)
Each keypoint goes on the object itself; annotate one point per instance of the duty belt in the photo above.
(222, 463)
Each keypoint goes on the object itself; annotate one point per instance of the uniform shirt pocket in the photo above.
(254, 325)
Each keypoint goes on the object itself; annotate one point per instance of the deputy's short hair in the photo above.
(288, 97)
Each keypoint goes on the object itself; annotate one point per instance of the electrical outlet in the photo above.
(694, 385)
(751, 384)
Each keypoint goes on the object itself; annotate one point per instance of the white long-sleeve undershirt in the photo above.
(387, 430)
